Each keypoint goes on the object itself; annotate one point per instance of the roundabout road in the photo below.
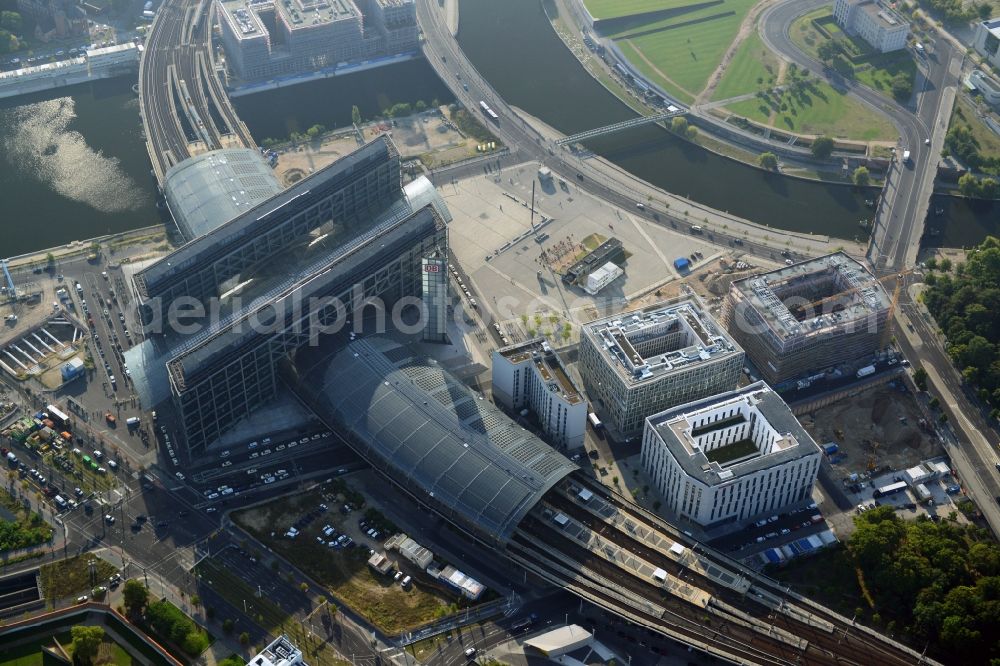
(901, 216)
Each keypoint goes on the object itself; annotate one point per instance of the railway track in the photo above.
(759, 603)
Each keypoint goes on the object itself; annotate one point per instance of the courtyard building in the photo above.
(808, 316)
(639, 363)
(731, 457)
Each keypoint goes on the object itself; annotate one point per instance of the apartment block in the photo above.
(874, 22)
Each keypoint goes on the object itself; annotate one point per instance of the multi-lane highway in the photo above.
(185, 109)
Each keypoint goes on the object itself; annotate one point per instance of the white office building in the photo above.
(730, 458)
(986, 41)
(874, 22)
(530, 375)
(639, 363)
(281, 652)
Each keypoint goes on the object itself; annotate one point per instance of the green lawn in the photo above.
(878, 73)
(753, 68)
(730, 452)
(604, 9)
(681, 52)
(72, 577)
(819, 109)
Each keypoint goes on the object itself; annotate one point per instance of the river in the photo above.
(537, 73)
(74, 164)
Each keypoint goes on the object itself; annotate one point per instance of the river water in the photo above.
(537, 73)
(73, 163)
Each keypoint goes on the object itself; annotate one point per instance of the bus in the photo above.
(890, 489)
(491, 114)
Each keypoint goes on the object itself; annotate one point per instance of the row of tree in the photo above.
(965, 305)
(163, 618)
(938, 582)
(956, 11)
(979, 188)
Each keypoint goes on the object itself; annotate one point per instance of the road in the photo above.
(976, 457)
(899, 224)
(526, 144)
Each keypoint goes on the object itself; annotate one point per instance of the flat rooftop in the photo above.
(686, 429)
(647, 345)
(815, 295)
(547, 363)
(329, 271)
(298, 14)
(883, 15)
(993, 26)
(281, 652)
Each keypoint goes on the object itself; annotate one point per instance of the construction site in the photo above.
(876, 428)
(818, 314)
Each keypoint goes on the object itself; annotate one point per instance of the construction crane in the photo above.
(899, 277)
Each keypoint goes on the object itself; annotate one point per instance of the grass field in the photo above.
(71, 577)
(681, 52)
(605, 9)
(877, 73)
(753, 68)
(817, 109)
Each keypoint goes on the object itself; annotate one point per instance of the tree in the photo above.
(135, 596)
(355, 115)
(920, 378)
(244, 639)
(768, 160)
(421, 105)
(691, 132)
(822, 147)
(227, 625)
(11, 21)
(86, 642)
(861, 176)
(679, 124)
(828, 50)
(901, 86)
